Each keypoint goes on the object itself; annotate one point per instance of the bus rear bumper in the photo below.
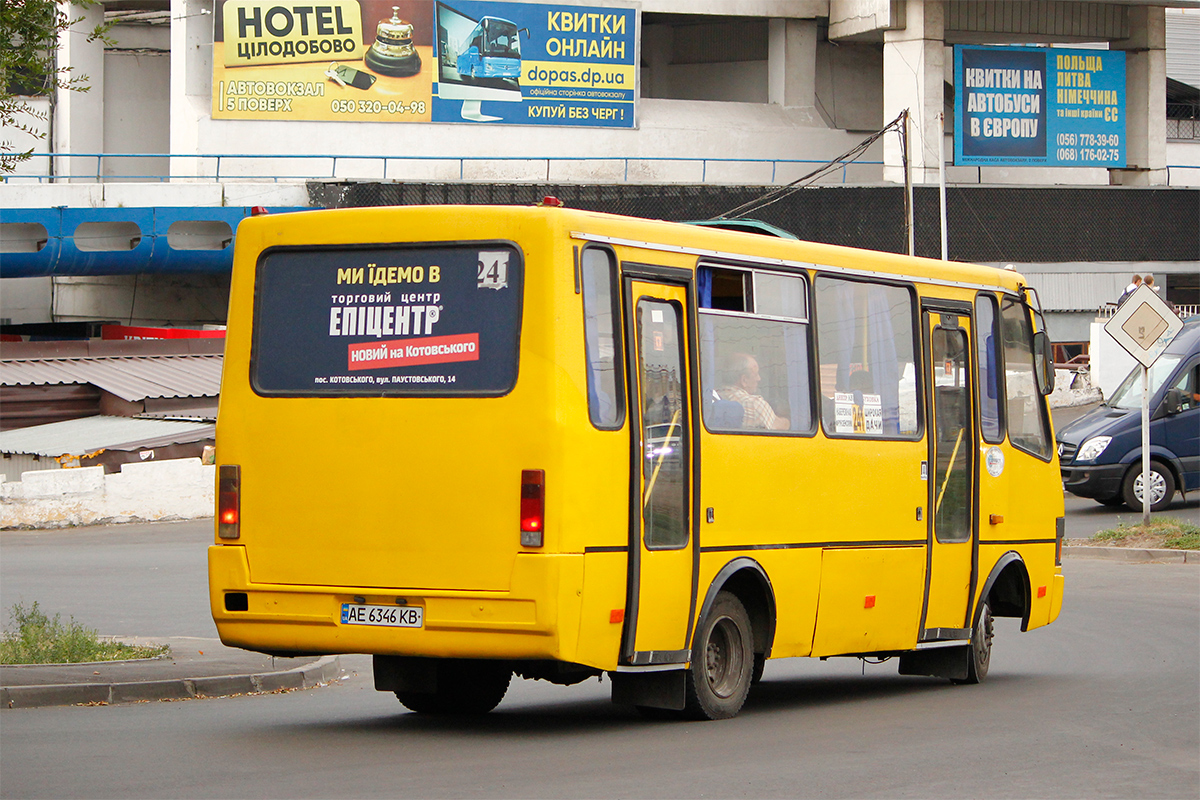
(285, 619)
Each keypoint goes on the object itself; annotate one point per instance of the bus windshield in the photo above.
(1129, 393)
(500, 39)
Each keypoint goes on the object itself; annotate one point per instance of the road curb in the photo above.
(1133, 554)
(323, 670)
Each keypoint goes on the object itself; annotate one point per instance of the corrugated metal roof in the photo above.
(81, 436)
(131, 378)
(1077, 291)
(1183, 45)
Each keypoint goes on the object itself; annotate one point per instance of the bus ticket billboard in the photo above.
(471, 61)
(1039, 107)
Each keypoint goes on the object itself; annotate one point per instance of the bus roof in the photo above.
(676, 237)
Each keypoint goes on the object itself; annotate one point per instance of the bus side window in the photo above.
(987, 332)
(754, 351)
(606, 405)
(867, 357)
(1028, 428)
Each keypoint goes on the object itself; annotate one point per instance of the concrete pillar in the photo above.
(191, 84)
(78, 124)
(792, 62)
(913, 78)
(1145, 99)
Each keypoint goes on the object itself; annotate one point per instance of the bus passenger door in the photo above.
(952, 478)
(660, 604)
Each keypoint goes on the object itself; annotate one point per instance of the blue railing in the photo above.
(223, 169)
(222, 166)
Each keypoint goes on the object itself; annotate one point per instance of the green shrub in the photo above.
(39, 639)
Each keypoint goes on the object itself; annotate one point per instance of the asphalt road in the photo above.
(138, 580)
(1104, 703)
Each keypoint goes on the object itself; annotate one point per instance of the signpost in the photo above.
(1144, 325)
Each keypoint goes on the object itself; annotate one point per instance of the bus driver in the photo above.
(741, 385)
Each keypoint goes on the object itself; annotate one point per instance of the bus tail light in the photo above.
(533, 507)
(229, 501)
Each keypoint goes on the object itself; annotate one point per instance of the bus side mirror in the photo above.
(1173, 402)
(1043, 362)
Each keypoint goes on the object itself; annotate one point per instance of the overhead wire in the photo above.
(775, 195)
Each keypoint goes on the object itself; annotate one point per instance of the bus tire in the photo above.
(979, 651)
(722, 661)
(464, 688)
(760, 664)
(1161, 481)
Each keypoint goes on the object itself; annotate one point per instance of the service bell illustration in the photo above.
(393, 52)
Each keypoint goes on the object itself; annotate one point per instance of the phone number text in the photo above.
(377, 107)
(1104, 155)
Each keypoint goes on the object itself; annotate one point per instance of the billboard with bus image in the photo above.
(467, 61)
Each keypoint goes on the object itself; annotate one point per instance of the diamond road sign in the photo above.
(1144, 325)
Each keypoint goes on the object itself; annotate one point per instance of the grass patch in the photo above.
(39, 639)
(1163, 533)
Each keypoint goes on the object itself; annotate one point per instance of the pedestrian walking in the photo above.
(1134, 283)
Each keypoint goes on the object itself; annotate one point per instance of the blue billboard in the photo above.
(1039, 107)
(535, 64)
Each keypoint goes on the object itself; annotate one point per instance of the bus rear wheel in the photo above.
(722, 661)
(464, 688)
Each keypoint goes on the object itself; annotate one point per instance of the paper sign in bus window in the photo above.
(872, 411)
(843, 412)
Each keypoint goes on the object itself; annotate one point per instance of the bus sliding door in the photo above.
(662, 554)
(952, 477)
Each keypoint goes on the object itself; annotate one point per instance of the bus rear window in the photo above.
(387, 320)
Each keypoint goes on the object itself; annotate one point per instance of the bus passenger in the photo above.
(741, 379)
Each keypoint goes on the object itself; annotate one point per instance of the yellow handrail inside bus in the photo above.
(946, 481)
(658, 463)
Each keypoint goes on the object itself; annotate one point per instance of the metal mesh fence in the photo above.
(985, 224)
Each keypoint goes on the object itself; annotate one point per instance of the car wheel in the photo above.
(722, 661)
(1162, 487)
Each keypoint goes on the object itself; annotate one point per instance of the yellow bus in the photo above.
(484, 441)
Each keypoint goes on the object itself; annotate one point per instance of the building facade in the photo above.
(690, 108)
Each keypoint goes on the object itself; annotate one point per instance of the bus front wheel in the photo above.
(463, 688)
(722, 661)
(979, 651)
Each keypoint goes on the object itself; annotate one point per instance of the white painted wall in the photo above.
(150, 299)
(137, 108)
(140, 492)
(35, 117)
(25, 300)
(1109, 362)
